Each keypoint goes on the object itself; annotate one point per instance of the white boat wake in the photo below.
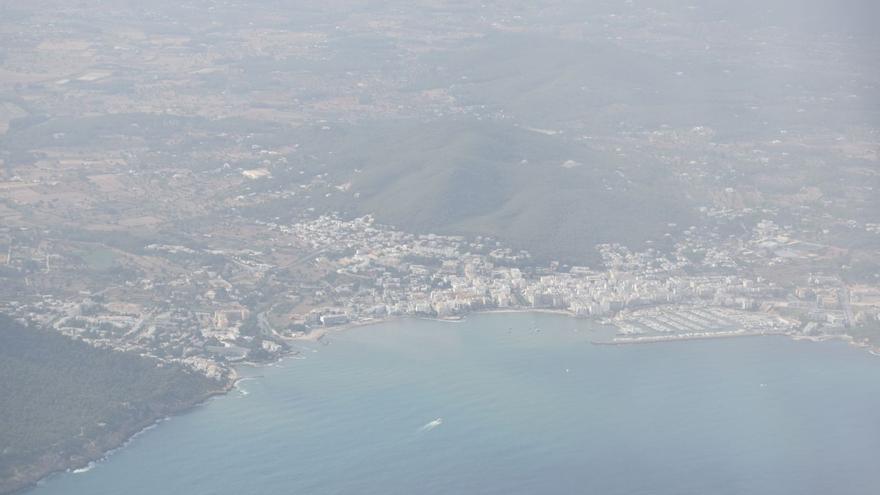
(431, 425)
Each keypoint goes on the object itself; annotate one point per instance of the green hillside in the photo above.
(64, 402)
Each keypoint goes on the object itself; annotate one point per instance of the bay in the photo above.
(518, 403)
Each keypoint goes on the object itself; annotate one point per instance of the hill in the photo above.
(550, 194)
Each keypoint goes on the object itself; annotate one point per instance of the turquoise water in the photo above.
(492, 406)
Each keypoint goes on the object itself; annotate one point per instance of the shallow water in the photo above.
(516, 404)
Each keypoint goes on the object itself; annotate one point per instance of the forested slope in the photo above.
(64, 403)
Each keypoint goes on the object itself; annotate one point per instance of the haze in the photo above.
(188, 186)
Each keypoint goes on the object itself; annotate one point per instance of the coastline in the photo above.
(124, 438)
(321, 333)
(105, 447)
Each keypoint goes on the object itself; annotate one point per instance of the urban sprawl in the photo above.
(303, 278)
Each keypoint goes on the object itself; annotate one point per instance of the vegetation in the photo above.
(64, 402)
(551, 195)
(866, 332)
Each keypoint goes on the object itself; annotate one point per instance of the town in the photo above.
(303, 278)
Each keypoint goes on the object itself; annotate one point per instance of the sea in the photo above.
(518, 403)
